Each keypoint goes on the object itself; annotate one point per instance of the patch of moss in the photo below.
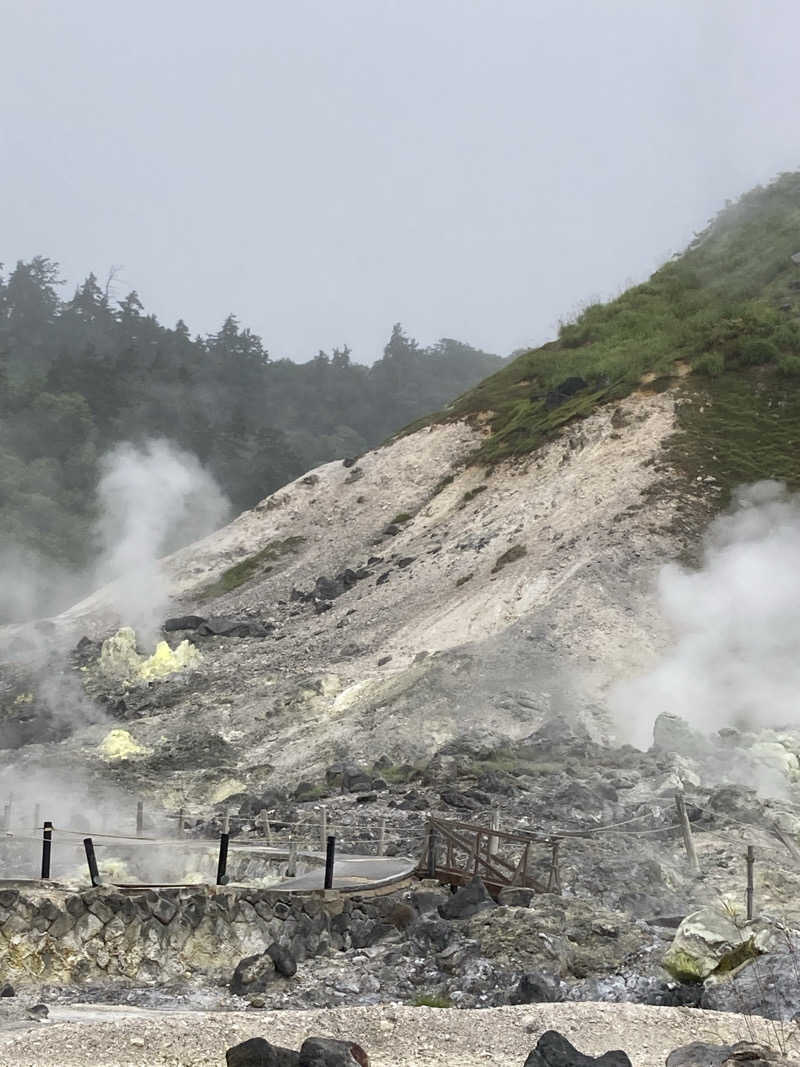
(257, 565)
(472, 493)
(400, 518)
(432, 1000)
(510, 556)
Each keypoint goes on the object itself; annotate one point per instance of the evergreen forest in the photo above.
(80, 375)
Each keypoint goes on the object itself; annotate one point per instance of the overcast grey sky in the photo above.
(323, 168)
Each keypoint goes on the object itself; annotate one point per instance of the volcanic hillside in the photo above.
(492, 565)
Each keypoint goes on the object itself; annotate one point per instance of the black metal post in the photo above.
(91, 859)
(329, 858)
(47, 846)
(751, 859)
(222, 865)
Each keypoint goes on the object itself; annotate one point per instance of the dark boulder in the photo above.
(227, 626)
(766, 986)
(699, 1054)
(182, 622)
(553, 1050)
(454, 799)
(253, 974)
(537, 988)
(285, 963)
(467, 901)
(256, 1052)
(325, 1052)
(563, 391)
(516, 896)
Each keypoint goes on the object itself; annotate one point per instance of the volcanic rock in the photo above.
(553, 1050)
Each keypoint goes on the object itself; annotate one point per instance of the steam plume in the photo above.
(736, 622)
(152, 499)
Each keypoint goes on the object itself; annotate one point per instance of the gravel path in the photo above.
(394, 1036)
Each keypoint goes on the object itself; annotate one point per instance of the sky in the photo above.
(477, 169)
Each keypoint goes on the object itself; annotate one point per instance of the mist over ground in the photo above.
(734, 660)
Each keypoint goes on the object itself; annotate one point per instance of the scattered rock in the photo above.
(767, 986)
(285, 963)
(537, 988)
(253, 974)
(326, 1052)
(553, 1050)
(256, 1052)
(467, 901)
(705, 941)
(515, 896)
(699, 1054)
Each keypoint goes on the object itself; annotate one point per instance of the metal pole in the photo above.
(222, 863)
(751, 859)
(291, 866)
(91, 859)
(688, 841)
(323, 827)
(330, 854)
(381, 837)
(47, 845)
(139, 818)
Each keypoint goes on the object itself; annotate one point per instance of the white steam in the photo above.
(736, 657)
(153, 499)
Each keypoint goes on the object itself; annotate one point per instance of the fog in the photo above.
(736, 631)
(324, 170)
(151, 499)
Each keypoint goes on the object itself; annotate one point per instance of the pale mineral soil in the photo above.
(393, 1035)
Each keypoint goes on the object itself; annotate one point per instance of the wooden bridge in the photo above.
(455, 852)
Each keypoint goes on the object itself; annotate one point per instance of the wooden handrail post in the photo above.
(686, 829)
(432, 847)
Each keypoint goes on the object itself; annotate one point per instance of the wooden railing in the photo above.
(457, 852)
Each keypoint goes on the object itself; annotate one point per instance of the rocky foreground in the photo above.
(392, 1035)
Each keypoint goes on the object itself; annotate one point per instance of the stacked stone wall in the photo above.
(54, 935)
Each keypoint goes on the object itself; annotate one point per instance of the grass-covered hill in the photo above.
(723, 317)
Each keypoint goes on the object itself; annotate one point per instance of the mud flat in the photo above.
(393, 1035)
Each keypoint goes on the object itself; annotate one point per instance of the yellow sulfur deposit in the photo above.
(120, 661)
(119, 745)
(118, 656)
(166, 661)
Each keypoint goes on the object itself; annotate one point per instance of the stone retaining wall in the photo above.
(55, 935)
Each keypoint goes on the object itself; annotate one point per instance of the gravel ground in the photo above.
(394, 1036)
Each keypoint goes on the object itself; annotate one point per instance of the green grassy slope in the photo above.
(729, 307)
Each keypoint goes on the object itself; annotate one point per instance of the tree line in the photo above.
(79, 375)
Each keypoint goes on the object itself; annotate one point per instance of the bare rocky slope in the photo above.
(480, 600)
